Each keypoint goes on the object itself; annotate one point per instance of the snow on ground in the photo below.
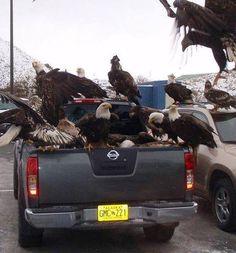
(23, 71)
(197, 83)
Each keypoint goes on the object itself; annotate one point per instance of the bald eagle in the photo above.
(177, 91)
(159, 120)
(220, 98)
(190, 129)
(28, 124)
(142, 113)
(96, 126)
(212, 26)
(122, 81)
(59, 87)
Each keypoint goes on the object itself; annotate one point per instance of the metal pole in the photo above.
(11, 49)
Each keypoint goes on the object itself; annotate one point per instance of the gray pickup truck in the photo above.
(149, 187)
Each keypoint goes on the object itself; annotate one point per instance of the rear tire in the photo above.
(160, 232)
(224, 204)
(28, 236)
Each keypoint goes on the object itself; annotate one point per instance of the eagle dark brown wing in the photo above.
(195, 16)
(7, 97)
(220, 98)
(31, 124)
(178, 92)
(94, 129)
(212, 25)
(123, 82)
(225, 10)
(193, 131)
(59, 87)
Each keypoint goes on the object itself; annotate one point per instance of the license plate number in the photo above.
(113, 212)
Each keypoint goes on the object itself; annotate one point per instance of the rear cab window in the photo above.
(125, 125)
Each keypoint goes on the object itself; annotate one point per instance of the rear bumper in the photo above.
(87, 218)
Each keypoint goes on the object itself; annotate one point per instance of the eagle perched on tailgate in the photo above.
(30, 125)
(96, 126)
(212, 26)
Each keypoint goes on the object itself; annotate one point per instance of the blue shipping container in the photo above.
(153, 94)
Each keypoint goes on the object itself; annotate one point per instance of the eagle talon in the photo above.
(88, 147)
(29, 142)
(42, 148)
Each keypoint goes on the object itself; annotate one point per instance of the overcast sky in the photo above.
(87, 33)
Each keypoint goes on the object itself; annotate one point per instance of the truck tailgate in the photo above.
(104, 175)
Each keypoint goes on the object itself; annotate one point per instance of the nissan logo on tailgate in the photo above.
(113, 155)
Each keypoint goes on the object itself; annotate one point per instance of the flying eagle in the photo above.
(220, 98)
(212, 26)
(27, 124)
(177, 91)
(59, 87)
(96, 126)
(190, 129)
(122, 81)
(159, 120)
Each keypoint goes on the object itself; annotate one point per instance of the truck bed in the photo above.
(72, 177)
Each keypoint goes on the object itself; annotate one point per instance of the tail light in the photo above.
(87, 100)
(189, 169)
(32, 177)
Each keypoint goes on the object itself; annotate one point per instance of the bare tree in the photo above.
(141, 79)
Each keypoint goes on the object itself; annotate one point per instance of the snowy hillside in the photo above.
(197, 82)
(23, 71)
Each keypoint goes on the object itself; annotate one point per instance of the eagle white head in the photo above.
(171, 78)
(173, 113)
(103, 111)
(80, 72)
(38, 66)
(156, 118)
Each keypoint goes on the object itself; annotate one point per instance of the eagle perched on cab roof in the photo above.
(212, 26)
(122, 81)
(177, 91)
(220, 98)
(59, 87)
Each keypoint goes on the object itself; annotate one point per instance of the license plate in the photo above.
(113, 212)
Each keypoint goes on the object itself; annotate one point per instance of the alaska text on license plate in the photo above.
(113, 212)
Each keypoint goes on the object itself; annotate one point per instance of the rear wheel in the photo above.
(160, 232)
(28, 236)
(224, 204)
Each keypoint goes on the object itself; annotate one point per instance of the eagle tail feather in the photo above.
(10, 135)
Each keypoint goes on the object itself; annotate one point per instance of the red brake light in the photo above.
(87, 100)
(189, 169)
(32, 177)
